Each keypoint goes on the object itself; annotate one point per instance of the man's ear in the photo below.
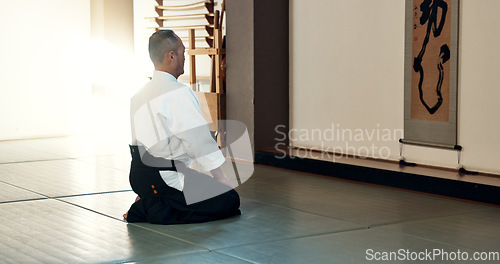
(168, 57)
(165, 58)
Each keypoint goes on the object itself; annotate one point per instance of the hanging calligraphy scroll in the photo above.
(431, 54)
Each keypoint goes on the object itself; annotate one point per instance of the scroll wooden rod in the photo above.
(427, 144)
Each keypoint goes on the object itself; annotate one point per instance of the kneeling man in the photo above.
(169, 134)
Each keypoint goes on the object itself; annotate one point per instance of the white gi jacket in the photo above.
(166, 119)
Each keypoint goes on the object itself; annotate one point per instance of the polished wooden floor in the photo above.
(61, 201)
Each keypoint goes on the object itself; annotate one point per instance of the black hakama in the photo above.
(162, 204)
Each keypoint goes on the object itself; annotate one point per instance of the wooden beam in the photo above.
(192, 60)
(207, 27)
(198, 38)
(217, 15)
(218, 57)
(186, 7)
(206, 16)
(212, 74)
(221, 115)
(205, 51)
(210, 6)
(159, 11)
(208, 39)
(187, 77)
(159, 22)
(222, 11)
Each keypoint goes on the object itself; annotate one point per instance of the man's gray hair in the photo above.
(160, 43)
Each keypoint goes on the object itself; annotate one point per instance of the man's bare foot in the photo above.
(126, 214)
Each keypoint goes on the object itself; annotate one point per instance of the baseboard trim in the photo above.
(422, 183)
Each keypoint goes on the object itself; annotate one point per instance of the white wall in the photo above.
(70, 67)
(348, 70)
(115, 74)
(66, 67)
(40, 66)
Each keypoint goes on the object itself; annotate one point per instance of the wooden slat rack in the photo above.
(200, 10)
(213, 103)
(208, 4)
(179, 17)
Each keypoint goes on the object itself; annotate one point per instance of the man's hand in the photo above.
(220, 177)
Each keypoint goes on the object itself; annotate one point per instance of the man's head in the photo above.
(167, 52)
